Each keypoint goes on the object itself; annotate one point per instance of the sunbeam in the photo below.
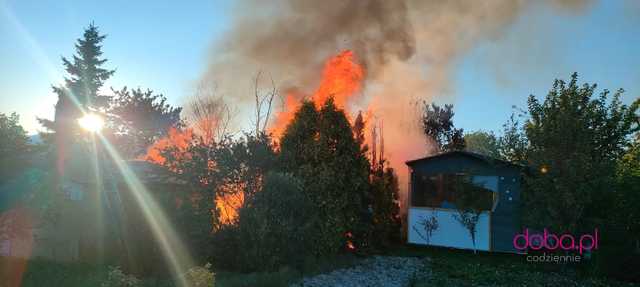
(98, 200)
(37, 53)
(172, 247)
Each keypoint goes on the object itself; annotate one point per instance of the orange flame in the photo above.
(228, 203)
(350, 245)
(283, 118)
(342, 78)
(178, 139)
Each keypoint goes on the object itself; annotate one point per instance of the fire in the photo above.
(179, 139)
(283, 118)
(342, 79)
(350, 245)
(228, 203)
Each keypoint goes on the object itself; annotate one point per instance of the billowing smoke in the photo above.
(408, 49)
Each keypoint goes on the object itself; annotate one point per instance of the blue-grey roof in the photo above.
(484, 158)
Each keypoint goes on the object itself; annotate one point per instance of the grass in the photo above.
(445, 267)
(449, 267)
(38, 273)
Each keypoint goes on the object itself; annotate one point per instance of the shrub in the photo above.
(225, 247)
(117, 278)
(276, 225)
(386, 210)
(200, 276)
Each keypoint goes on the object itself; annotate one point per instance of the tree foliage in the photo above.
(86, 75)
(437, 125)
(482, 142)
(79, 95)
(13, 137)
(513, 144)
(319, 147)
(298, 145)
(627, 197)
(277, 225)
(386, 221)
(575, 139)
(139, 118)
(82, 85)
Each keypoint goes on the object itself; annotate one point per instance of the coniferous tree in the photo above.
(86, 75)
(85, 78)
(319, 147)
(80, 92)
(298, 145)
(341, 153)
(385, 205)
(358, 130)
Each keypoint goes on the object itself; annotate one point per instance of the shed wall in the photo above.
(450, 232)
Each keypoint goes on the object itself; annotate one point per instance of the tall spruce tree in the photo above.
(85, 78)
(80, 92)
(86, 75)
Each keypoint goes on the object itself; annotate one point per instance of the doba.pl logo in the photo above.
(553, 242)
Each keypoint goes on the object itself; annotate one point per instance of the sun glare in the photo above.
(91, 122)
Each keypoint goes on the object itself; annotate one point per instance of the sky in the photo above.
(165, 47)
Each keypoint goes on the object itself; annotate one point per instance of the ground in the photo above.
(432, 267)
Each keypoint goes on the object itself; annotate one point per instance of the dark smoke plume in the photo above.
(408, 49)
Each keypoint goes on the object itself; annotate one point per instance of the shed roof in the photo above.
(152, 173)
(487, 159)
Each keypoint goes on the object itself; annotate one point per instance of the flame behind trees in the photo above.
(139, 118)
(318, 142)
(341, 80)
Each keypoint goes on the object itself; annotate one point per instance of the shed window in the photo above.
(439, 190)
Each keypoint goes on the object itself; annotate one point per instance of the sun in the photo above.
(91, 122)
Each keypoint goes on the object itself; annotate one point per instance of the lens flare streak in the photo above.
(172, 247)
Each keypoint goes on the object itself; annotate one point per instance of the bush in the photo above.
(283, 277)
(276, 225)
(386, 210)
(225, 247)
(200, 276)
(117, 278)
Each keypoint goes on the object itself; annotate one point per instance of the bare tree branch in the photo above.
(263, 101)
(208, 114)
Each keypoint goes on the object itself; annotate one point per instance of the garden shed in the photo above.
(432, 199)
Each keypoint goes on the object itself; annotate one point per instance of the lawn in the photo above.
(444, 267)
(40, 273)
(449, 267)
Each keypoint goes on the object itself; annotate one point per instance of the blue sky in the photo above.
(163, 46)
